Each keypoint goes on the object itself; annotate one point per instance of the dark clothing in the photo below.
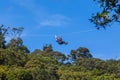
(60, 41)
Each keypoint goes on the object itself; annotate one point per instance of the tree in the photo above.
(10, 57)
(60, 57)
(16, 45)
(47, 48)
(109, 14)
(81, 52)
(39, 73)
(49, 52)
(3, 32)
(16, 32)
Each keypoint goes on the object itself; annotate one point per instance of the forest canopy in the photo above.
(18, 63)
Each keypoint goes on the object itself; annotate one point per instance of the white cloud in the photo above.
(56, 20)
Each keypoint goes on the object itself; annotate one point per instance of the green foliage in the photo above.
(47, 64)
(37, 60)
(3, 70)
(8, 57)
(18, 74)
(47, 48)
(3, 32)
(43, 73)
(16, 45)
(80, 53)
(40, 65)
(110, 13)
(48, 51)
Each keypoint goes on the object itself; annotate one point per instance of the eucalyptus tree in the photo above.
(3, 32)
(109, 13)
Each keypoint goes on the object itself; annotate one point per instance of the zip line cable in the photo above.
(48, 35)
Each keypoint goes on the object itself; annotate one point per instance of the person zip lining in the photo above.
(60, 41)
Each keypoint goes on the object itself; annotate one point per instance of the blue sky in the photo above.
(42, 19)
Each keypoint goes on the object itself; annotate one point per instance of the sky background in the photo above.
(42, 19)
